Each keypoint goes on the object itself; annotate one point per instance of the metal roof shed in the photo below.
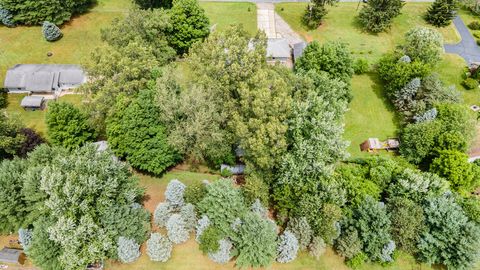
(10, 255)
(32, 102)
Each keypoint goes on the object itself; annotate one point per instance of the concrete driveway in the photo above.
(273, 25)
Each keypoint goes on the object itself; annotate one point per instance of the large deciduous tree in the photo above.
(190, 24)
(67, 125)
(424, 44)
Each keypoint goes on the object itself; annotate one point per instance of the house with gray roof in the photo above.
(280, 51)
(43, 78)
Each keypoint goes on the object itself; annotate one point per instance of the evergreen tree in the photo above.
(441, 12)
(159, 248)
(128, 250)
(151, 4)
(315, 12)
(377, 15)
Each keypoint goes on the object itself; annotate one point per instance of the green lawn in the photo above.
(225, 14)
(26, 45)
(341, 24)
(370, 114)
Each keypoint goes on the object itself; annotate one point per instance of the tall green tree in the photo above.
(135, 133)
(376, 15)
(424, 44)
(11, 139)
(151, 4)
(454, 166)
(67, 125)
(315, 12)
(333, 58)
(36, 12)
(147, 27)
(441, 12)
(451, 238)
(190, 24)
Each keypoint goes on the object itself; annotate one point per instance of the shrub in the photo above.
(387, 252)
(159, 248)
(189, 216)
(51, 32)
(128, 250)
(471, 207)
(301, 229)
(348, 244)
(223, 204)
(357, 261)
(454, 166)
(32, 140)
(174, 193)
(210, 240)
(407, 222)
(259, 209)
(470, 83)
(429, 115)
(25, 237)
(478, 42)
(424, 44)
(475, 25)
(176, 231)
(162, 213)
(6, 18)
(195, 192)
(202, 224)
(224, 253)
(476, 35)
(287, 248)
(317, 247)
(255, 188)
(67, 125)
(361, 66)
(256, 242)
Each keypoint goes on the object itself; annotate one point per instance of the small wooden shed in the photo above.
(374, 144)
(13, 256)
(33, 103)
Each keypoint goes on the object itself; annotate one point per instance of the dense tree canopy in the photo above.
(136, 134)
(67, 125)
(190, 24)
(36, 12)
(79, 203)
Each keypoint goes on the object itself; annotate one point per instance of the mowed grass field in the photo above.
(370, 113)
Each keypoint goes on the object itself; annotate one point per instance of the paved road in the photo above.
(467, 48)
(273, 24)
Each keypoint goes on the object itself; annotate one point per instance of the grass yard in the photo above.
(225, 14)
(341, 24)
(35, 119)
(370, 113)
(26, 45)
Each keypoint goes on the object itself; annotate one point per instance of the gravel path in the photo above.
(467, 48)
